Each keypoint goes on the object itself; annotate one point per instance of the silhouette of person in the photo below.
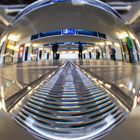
(112, 53)
(97, 54)
(80, 49)
(55, 47)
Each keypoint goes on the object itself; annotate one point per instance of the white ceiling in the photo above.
(67, 16)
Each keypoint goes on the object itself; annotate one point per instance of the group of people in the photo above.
(80, 49)
(112, 52)
(56, 56)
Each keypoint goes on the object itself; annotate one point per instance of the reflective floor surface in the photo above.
(17, 77)
(124, 75)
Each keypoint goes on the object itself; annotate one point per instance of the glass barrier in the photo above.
(9, 88)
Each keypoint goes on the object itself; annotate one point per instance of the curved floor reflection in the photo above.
(70, 105)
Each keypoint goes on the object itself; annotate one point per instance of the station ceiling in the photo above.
(75, 17)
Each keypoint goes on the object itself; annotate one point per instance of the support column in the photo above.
(30, 53)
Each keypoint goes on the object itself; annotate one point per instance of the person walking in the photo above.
(80, 49)
(55, 47)
(97, 54)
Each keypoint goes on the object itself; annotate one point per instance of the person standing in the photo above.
(97, 54)
(80, 49)
(112, 53)
(55, 47)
